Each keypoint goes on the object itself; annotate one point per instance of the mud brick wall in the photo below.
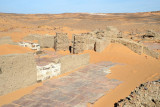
(134, 46)
(17, 71)
(112, 32)
(89, 41)
(45, 41)
(83, 42)
(151, 53)
(96, 40)
(137, 48)
(61, 42)
(71, 62)
(100, 45)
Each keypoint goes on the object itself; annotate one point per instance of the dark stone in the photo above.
(0, 71)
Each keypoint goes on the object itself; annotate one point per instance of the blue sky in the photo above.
(73, 6)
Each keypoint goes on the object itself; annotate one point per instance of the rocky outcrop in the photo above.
(61, 42)
(17, 71)
(146, 95)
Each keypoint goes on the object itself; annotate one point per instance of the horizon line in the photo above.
(81, 12)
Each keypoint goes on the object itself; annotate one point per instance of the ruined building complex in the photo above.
(20, 70)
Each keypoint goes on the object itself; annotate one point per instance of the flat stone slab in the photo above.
(77, 89)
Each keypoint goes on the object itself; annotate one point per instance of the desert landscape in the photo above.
(80, 60)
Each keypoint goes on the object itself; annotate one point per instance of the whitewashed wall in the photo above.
(48, 71)
(33, 46)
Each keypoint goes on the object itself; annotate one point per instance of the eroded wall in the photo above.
(45, 41)
(137, 47)
(17, 71)
(134, 46)
(71, 62)
(61, 42)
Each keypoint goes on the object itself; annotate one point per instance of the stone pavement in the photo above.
(77, 89)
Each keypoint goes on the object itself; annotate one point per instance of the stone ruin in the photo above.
(53, 66)
(33, 46)
(146, 95)
(96, 40)
(45, 41)
(17, 71)
(61, 42)
(150, 34)
(48, 71)
(21, 70)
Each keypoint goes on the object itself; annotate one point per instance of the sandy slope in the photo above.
(137, 69)
(13, 49)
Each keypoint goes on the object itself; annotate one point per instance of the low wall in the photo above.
(151, 53)
(137, 48)
(17, 71)
(45, 41)
(71, 62)
(134, 46)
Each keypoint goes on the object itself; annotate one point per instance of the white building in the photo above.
(33, 46)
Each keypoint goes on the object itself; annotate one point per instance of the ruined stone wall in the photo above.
(137, 47)
(80, 43)
(112, 32)
(71, 62)
(100, 45)
(45, 41)
(61, 42)
(48, 71)
(96, 40)
(134, 46)
(17, 71)
(151, 53)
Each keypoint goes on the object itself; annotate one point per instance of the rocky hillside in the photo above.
(146, 95)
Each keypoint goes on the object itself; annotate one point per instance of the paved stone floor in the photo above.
(77, 89)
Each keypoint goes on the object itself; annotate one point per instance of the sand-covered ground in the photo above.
(134, 69)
